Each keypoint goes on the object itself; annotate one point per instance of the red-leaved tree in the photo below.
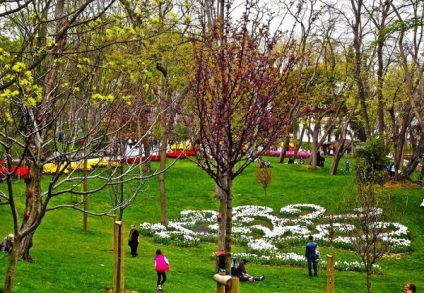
(246, 89)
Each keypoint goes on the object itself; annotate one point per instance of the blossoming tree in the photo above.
(245, 93)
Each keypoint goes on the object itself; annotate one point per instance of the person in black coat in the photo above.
(134, 240)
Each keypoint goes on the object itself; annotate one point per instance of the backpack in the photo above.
(235, 269)
(221, 263)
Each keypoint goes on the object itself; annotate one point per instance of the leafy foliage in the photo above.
(371, 162)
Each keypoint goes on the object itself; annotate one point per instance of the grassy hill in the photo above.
(67, 259)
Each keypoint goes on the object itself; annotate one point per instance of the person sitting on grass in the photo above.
(243, 275)
(6, 245)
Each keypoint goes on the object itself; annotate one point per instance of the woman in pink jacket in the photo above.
(161, 266)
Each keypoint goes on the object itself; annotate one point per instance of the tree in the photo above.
(326, 69)
(367, 227)
(381, 18)
(163, 56)
(373, 212)
(357, 27)
(57, 92)
(244, 96)
(409, 27)
(304, 15)
(334, 79)
(264, 178)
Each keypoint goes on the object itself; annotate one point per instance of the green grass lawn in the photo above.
(67, 259)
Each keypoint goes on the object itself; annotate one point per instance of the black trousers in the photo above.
(134, 247)
(161, 278)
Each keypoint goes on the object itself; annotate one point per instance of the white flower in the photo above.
(294, 223)
(297, 209)
(261, 245)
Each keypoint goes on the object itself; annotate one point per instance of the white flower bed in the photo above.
(294, 223)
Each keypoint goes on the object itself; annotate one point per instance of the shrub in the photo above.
(371, 162)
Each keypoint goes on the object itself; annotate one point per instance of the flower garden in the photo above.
(267, 236)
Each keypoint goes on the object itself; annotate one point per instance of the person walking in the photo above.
(133, 240)
(311, 256)
(347, 164)
(161, 267)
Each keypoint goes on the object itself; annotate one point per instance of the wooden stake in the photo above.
(118, 264)
(330, 274)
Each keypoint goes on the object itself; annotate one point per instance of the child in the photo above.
(161, 266)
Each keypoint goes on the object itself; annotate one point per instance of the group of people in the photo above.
(236, 270)
(311, 255)
(161, 262)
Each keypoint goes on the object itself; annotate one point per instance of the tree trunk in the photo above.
(219, 193)
(85, 196)
(339, 151)
(162, 189)
(26, 246)
(413, 75)
(337, 155)
(13, 258)
(284, 148)
(315, 147)
(359, 70)
(140, 150)
(223, 190)
(399, 137)
(147, 153)
(369, 275)
(298, 147)
(342, 146)
(121, 191)
(32, 216)
(32, 206)
(228, 226)
(380, 81)
(415, 159)
(295, 139)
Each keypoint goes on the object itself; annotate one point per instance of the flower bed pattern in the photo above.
(285, 230)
